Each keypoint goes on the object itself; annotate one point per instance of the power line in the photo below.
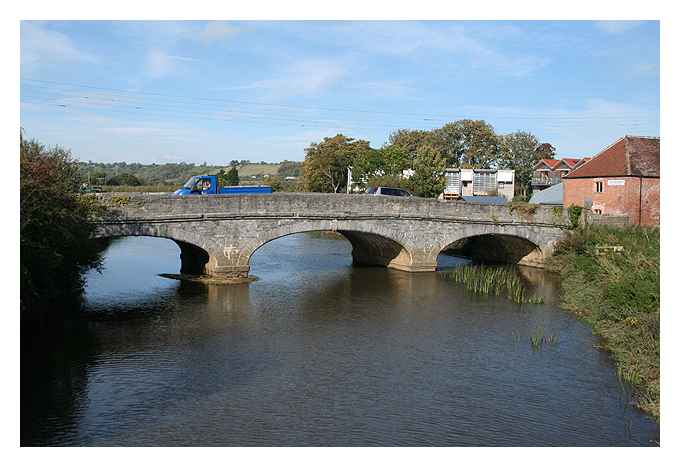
(556, 116)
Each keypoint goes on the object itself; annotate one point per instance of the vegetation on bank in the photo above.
(617, 292)
(493, 280)
(55, 229)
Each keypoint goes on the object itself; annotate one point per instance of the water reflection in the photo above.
(317, 352)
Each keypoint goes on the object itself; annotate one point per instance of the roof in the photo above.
(552, 195)
(570, 162)
(637, 156)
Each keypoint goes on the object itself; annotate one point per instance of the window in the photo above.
(599, 187)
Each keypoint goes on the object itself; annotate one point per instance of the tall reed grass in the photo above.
(493, 280)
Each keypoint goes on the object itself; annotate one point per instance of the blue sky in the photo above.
(216, 91)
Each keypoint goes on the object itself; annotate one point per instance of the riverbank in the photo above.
(617, 292)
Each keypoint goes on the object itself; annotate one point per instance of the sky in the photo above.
(157, 92)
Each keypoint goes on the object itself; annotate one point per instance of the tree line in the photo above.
(425, 154)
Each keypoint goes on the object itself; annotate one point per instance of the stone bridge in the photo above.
(218, 234)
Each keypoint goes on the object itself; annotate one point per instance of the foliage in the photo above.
(407, 142)
(124, 179)
(231, 178)
(618, 294)
(545, 151)
(428, 173)
(468, 143)
(326, 163)
(56, 245)
(493, 280)
(518, 152)
(574, 213)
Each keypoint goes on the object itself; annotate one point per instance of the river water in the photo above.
(317, 352)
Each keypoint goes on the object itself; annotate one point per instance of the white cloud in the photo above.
(412, 38)
(41, 45)
(301, 78)
(616, 27)
(160, 64)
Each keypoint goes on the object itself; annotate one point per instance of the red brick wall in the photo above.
(619, 200)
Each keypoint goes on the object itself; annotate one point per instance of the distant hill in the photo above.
(177, 173)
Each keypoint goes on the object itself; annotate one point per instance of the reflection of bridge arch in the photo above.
(219, 234)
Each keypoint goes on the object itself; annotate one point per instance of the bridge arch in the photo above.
(194, 258)
(369, 246)
(498, 248)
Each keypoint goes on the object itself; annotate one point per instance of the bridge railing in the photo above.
(321, 205)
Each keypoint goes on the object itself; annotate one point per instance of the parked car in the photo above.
(385, 190)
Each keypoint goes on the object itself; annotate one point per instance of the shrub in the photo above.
(55, 228)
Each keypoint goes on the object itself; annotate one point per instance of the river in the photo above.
(317, 352)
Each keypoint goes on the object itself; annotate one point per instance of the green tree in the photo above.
(125, 179)
(55, 227)
(518, 152)
(467, 143)
(407, 143)
(230, 178)
(428, 172)
(394, 160)
(326, 163)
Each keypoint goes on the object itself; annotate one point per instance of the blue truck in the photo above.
(209, 185)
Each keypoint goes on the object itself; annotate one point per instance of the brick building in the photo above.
(623, 179)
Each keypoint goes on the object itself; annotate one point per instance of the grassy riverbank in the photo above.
(617, 292)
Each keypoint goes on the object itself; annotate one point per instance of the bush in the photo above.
(56, 244)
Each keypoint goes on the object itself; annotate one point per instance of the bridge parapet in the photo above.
(146, 206)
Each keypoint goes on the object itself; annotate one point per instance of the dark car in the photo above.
(385, 190)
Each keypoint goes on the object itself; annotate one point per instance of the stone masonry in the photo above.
(218, 234)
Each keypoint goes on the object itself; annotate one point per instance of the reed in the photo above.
(493, 280)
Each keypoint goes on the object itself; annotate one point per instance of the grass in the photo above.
(493, 280)
(617, 293)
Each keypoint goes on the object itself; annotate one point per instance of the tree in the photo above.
(428, 172)
(55, 226)
(519, 152)
(394, 160)
(229, 178)
(467, 143)
(408, 142)
(545, 151)
(326, 163)
(125, 179)
(233, 163)
(366, 164)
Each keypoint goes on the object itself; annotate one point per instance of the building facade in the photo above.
(479, 182)
(623, 179)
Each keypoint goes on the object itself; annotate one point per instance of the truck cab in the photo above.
(209, 185)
